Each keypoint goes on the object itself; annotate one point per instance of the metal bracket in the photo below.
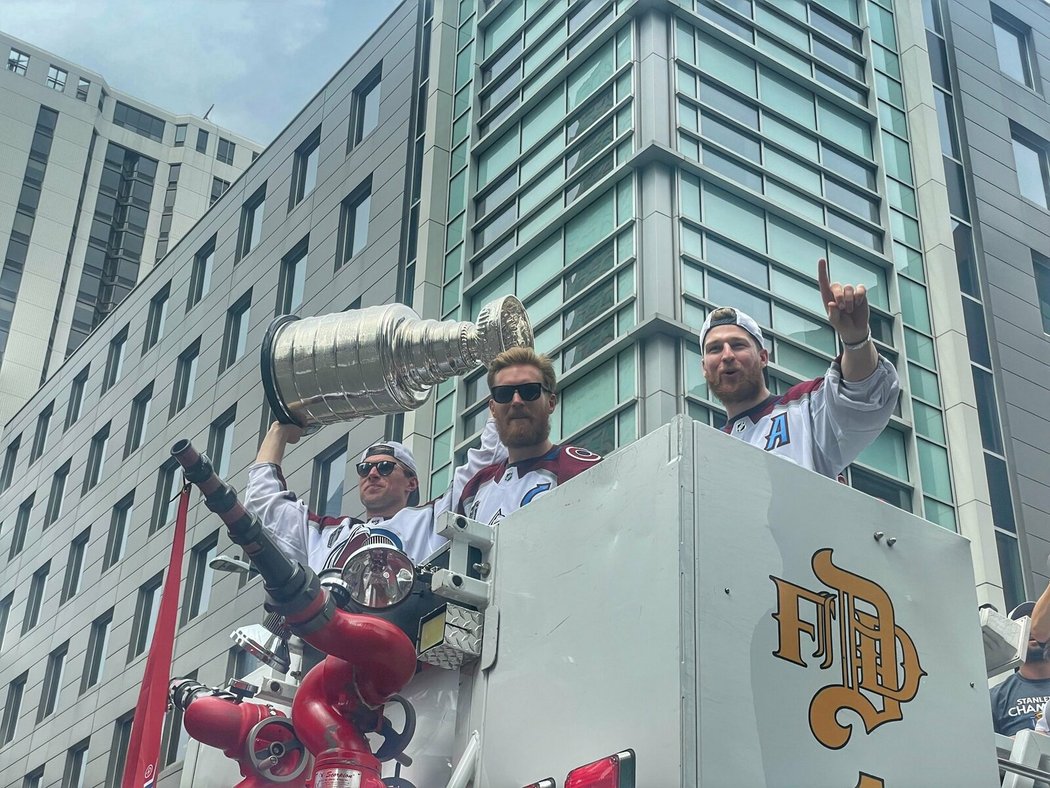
(461, 588)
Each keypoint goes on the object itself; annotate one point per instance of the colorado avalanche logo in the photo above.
(583, 455)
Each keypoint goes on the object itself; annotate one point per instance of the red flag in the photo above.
(143, 759)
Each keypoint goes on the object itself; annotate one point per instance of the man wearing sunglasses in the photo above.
(821, 424)
(524, 394)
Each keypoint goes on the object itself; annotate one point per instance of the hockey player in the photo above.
(821, 424)
(524, 395)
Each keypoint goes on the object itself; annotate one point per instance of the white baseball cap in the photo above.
(731, 317)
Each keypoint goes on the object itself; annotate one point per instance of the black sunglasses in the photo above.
(527, 391)
(385, 467)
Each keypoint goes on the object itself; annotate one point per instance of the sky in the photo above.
(257, 61)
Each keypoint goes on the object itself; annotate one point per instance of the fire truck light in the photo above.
(616, 771)
(379, 575)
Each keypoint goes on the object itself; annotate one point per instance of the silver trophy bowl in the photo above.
(377, 360)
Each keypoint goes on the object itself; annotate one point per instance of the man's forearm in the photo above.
(859, 363)
(273, 445)
(1041, 617)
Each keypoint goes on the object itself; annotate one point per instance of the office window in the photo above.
(83, 86)
(304, 170)
(198, 582)
(138, 420)
(250, 230)
(328, 479)
(35, 779)
(18, 537)
(157, 316)
(76, 397)
(218, 188)
(165, 503)
(1012, 47)
(1041, 267)
(58, 492)
(96, 459)
(98, 646)
(5, 616)
(138, 121)
(10, 458)
(220, 441)
(292, 282)
(185, 375)
(56, 661)
(56, 78)
(12, 708)
(118, 751)
(76, 761)
(235, 338)
(224, 152)
(364, 106)
(180, 135)
(200, 276)
(1033, 171)
(202, 141)
(146, 609)
(119, 524)
(17, 61)
(43, 424)
(114, 359)
(75, 565)
(353, 223)
(37, 586)
(102, 94)
(174, 737)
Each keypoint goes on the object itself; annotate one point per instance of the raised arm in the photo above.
(850, 315)
(283, 515)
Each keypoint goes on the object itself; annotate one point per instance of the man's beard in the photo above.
(747, 387)
(1036, 654)
(519, 433)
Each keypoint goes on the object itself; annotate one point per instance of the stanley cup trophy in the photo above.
(378, 360)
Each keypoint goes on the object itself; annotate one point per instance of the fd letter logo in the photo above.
(878, 662)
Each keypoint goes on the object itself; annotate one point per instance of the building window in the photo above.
(118, 751)
(328, 479)
(165, 504)
(304, 171)
(202, 141)
(1041, 266)
(235, 338)
(98, 646)
(292, 282)
(17, 61)
(58, 492)
(174, 739)
(1033, 171)
(96, 459)
(225, 150)
(180, 135)
(185, 375)
(76, 397)
(138, 121)
(76, 761)
(198, 582)
(5, 616)
(119, 522)
(200, 276)
(56, 661)
(10, 459)
(220, 441)
(1012, 47)
(12, 709)
(56, 78)
(75, 565)
(146, 609)
(218, 188)
(102, 94)
(35, 778)
(18, 537)
(138, 420)
(155, 319)
(251, 222)
(43, 423)
(353, 222)
(114, 360)
(83, 86)
(37, 586)
(364, 106)
(239, 663)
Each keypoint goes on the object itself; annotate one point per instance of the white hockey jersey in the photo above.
(822, 424)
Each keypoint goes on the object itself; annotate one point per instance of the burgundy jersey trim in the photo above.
(324, 520)
(764, 408)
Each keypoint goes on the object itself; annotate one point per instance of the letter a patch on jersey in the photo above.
(778, 432)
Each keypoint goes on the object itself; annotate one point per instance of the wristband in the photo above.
(856, 345)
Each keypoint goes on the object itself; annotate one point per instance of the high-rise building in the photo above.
(95, 186)
(623, 166)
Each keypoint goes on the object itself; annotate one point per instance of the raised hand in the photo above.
(846, 305)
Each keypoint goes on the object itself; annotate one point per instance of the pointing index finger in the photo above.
(824, 281)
